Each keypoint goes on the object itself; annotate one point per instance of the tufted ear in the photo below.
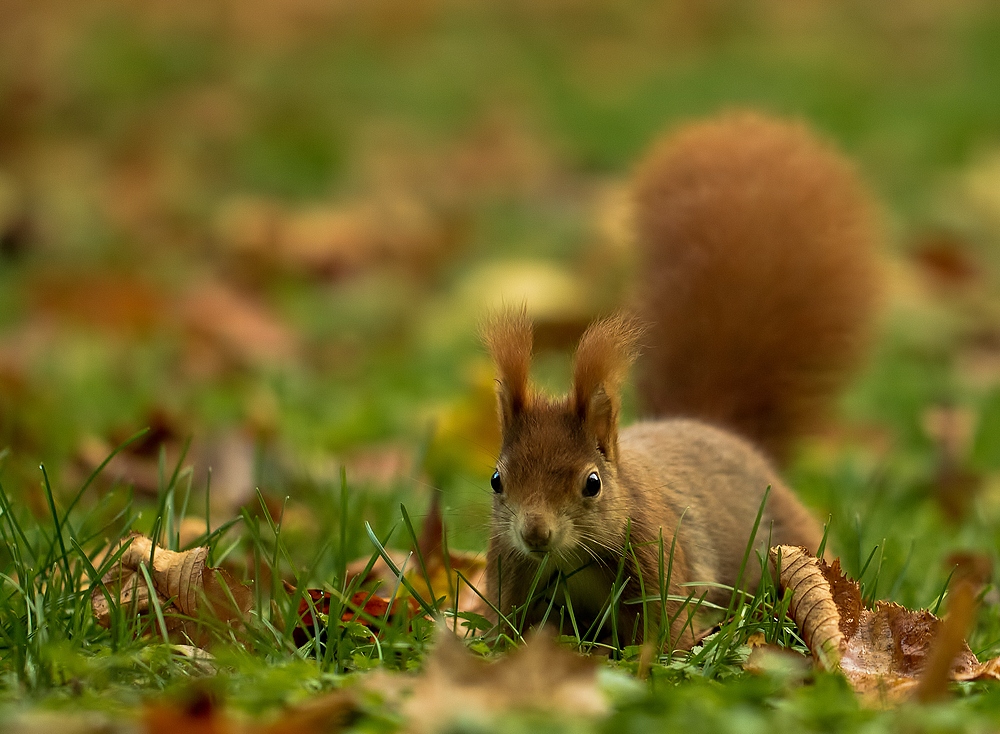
(603, 357)
(508, 337)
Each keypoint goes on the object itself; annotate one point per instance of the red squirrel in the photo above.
(757, 287)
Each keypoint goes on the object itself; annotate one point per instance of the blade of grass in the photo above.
(500, 616)
(428, 610)
(826, 534)
(155, 602)
(420, 556)
(55, 519)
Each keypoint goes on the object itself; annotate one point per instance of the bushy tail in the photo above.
(759, 276)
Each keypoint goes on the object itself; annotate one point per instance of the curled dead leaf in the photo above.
(812, 606)
(887, 653)
(182, 584)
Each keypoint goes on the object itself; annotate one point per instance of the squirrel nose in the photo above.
(536, 534)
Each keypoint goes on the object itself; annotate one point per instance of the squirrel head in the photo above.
(556, 481)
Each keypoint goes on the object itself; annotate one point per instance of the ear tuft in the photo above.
(606, 351)
(508, 337)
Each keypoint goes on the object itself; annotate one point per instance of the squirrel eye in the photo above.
(496, 483)
(592, 487)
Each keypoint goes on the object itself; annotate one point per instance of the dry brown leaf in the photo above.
(885, 652)
(141, 472)
(182, 585)
(239, 328)
(442, 573)
(329, 712)
(333, 240)
(457, 688)
(955, 485)
(812, 606)
(380, 574)
(201, 713)
(946, 260)
(121, 302)
(138, 463)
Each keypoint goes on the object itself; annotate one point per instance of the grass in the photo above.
(55, 655)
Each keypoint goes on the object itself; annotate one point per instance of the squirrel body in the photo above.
(758, 284)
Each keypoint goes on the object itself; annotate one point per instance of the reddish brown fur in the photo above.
(758, 276)
(508, 337)
(682, 478)
(600, 366)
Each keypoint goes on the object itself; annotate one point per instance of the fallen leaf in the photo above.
(955, 485)
(441, 581)
(328, 712)
(365, 607)
(123, 303)
(887, 652)
(380, 574)
(127, 467)
(38, 720)
(235, 327)
(182, 585)
(199, 711)
(459, 691)
(813, 607)
(380, 465)
(946, 259)
(552, 295)
(330, 241)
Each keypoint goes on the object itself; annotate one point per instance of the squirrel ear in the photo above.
(606, 351)
(508, 337)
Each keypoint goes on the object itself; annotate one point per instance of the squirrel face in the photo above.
(555, 485)
(554, 489)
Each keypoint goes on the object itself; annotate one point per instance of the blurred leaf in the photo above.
(459, 690)
(125, 303)
(946, 259)
(234, 327)
(200, 712)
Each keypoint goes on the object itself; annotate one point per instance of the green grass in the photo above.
(55, 656)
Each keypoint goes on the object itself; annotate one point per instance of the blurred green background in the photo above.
(271, 228)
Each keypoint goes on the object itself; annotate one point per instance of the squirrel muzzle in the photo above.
(535, 532)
